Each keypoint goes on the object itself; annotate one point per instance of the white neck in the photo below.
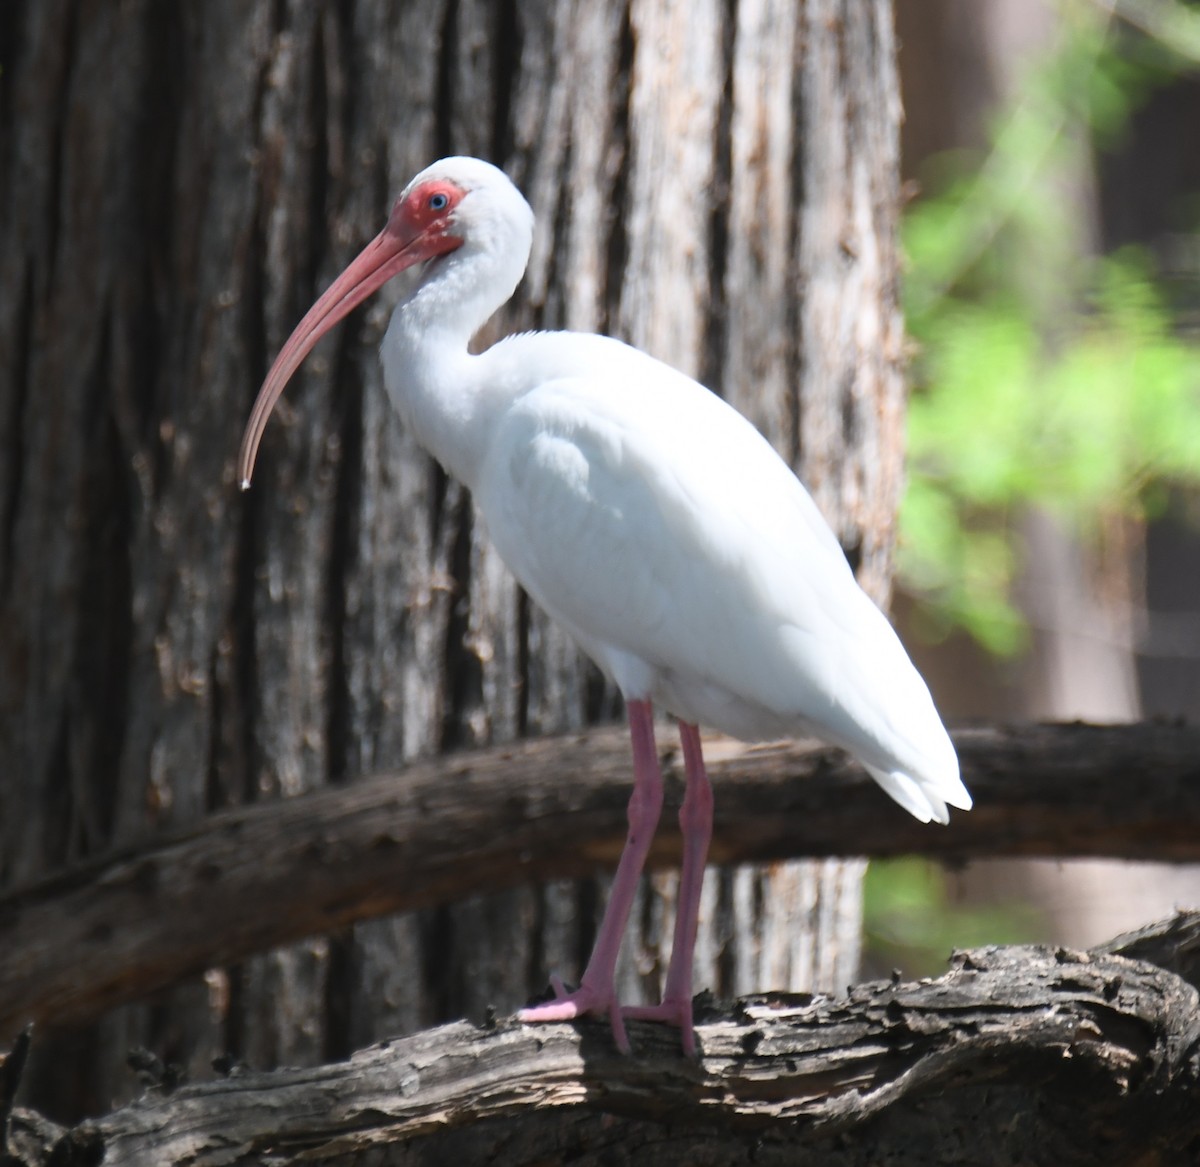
(439, 389)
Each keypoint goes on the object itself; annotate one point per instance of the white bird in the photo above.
(652, 521)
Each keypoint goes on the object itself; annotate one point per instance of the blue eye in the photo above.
(438, 202)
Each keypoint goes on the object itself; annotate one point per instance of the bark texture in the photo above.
(1017, 1055)
(714, 181)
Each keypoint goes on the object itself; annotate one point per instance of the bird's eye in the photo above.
(438, 202)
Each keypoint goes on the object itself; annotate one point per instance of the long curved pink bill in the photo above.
(384, 257)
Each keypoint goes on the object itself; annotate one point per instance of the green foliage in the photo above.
(911, 923)
(1042, 375)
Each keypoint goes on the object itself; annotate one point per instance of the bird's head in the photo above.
(457, 204)
(464, 202)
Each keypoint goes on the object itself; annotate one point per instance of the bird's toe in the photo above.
(677, 1013)
(582, 1002)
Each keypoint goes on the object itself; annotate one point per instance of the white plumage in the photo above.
(642, 512)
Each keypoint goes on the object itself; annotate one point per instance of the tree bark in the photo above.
(716, 182)
(1017, 1055)
(245, 881)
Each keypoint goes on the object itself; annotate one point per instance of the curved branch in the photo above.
(249, 880)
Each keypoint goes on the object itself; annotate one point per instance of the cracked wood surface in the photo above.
(1021, 1054)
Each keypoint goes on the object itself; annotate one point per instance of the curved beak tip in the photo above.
(381, 259)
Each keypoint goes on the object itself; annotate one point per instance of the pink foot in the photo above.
(677, 1013)
(584, 1001)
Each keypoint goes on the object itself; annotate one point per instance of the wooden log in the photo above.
(248, 880)
(1016, 1055)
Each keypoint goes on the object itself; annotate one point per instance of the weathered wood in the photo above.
(1016, 1055)
(245, 881)
(1172, 944)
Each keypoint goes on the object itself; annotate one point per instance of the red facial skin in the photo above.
(420, 227)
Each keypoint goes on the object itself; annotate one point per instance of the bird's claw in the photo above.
(586, 1001)
(583, 1001)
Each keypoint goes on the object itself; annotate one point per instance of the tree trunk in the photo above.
(714, 182)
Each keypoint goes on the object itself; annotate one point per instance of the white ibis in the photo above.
(652, 521)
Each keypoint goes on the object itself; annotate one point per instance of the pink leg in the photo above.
(695, 821)
(596, 992)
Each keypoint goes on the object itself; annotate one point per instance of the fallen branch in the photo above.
(249, 880)
(1025, 1055)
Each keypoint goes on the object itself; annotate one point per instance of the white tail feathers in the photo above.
(924, 799)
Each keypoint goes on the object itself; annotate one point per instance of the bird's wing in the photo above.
(654, 521)
(634, 511)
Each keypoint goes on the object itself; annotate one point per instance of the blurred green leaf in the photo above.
(911, 922)
(1043, 375)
